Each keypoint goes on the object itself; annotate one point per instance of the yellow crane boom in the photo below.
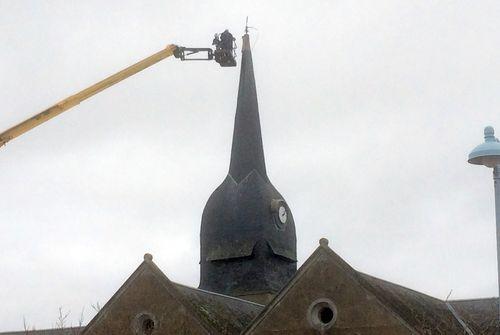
(77, 98)
(224, 55)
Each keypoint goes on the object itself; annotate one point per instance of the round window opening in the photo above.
(325, 315)
(144, 324)
(322, 314)
(148, 326)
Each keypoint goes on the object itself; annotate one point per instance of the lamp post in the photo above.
(488, 154)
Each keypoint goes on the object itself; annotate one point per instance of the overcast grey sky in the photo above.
(368, 111)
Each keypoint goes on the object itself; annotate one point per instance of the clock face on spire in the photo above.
(279, 210)
(282, 214)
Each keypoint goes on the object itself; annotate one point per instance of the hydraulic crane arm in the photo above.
(224, 55)
(77, 98)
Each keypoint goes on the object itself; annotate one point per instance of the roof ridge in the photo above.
(218, 294)
(386, 301)
(322, 249)
(116, 295)
(473, 299)
(165, 282)
(282, 293)
(400, 286)
(182, 300)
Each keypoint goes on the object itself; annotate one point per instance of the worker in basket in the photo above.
(224, 48)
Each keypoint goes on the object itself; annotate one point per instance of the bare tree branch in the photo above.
(61, 319)
(26, 326)
(96, 307)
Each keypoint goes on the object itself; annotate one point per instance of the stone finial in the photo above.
(489, 132)
(323, 242)
(148, 257)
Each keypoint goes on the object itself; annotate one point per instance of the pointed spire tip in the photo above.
(246, 42)
(247, 152)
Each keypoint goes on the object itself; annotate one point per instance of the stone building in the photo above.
(249, 281)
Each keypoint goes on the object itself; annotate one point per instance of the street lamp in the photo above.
(488, 154)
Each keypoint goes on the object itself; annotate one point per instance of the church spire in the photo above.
(247, 152)
(247, 237)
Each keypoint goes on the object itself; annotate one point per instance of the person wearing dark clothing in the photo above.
(226, 39)
(216, 41)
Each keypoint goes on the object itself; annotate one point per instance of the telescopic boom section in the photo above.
(75, 99)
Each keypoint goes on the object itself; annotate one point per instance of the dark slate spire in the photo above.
(247, 153)
(247, 238)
